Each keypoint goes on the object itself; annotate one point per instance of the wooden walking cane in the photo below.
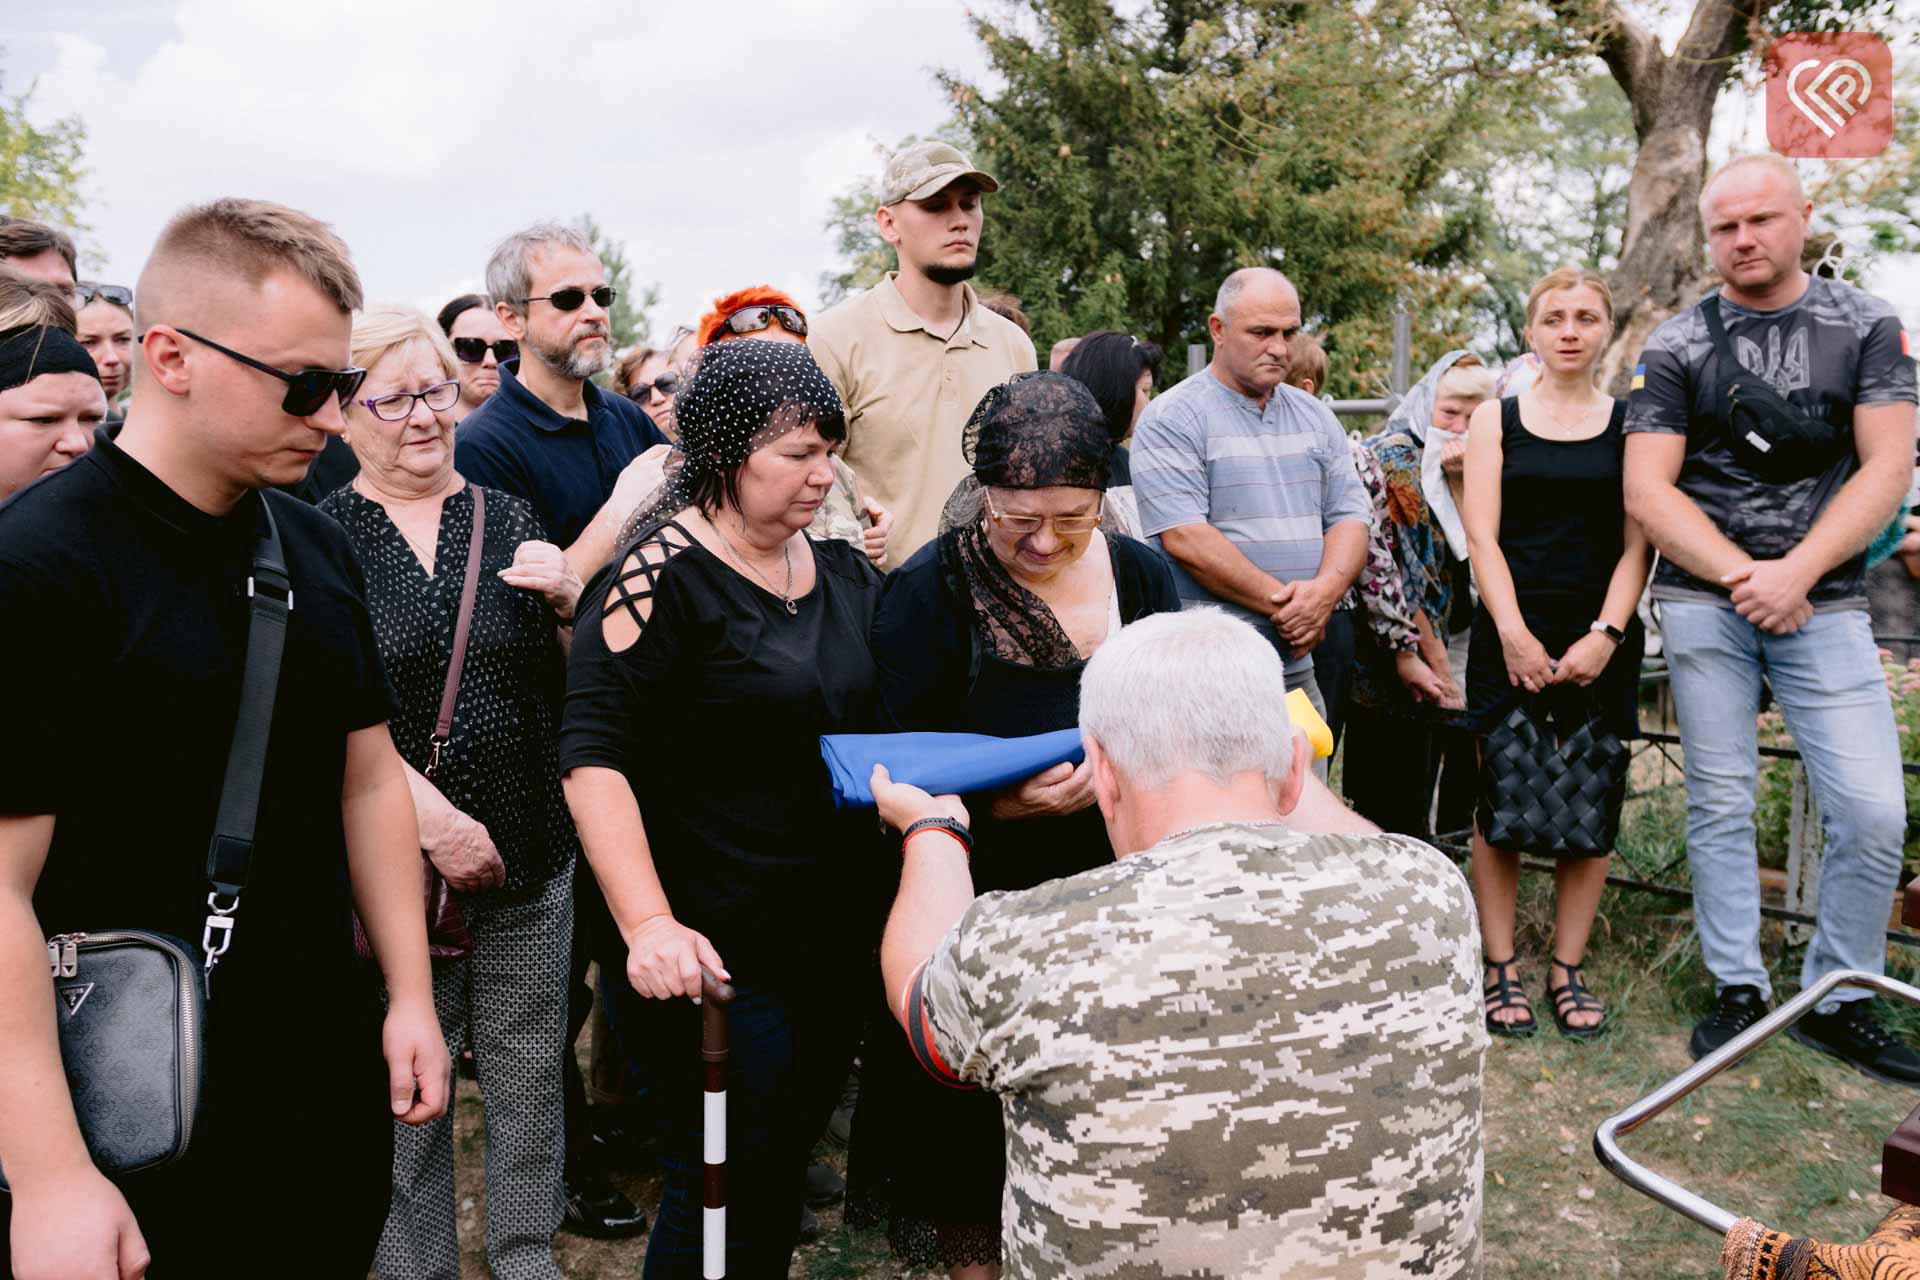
(715, 996)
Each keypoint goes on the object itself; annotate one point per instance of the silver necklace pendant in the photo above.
(793, 607)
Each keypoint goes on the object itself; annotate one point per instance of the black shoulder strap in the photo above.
(1722, 345)
(229, 854)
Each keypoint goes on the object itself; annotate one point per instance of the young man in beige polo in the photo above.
(912, 356)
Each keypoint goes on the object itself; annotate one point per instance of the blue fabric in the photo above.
(941, 763)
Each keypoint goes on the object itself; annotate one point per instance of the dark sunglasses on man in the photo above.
(756, 319)
(666, 384)
(118, 294)
(474, 350)
(307, 390)
(570, 299)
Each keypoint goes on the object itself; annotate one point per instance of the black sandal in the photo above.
(1573, 997)
(1505, 992)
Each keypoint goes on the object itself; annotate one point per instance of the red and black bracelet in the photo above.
(950, 826)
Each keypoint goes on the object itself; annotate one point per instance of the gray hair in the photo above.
(1197, 691)
(1236, 284)
(510, 269)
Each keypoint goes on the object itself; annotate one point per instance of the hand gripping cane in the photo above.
(715, 996)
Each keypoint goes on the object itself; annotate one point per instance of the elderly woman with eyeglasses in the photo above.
(986, 630)
(493, 820)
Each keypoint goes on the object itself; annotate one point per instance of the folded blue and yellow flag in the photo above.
(941, 763)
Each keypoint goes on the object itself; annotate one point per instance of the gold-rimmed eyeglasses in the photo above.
(1065, 526)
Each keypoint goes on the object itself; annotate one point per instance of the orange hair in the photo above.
(760, 295)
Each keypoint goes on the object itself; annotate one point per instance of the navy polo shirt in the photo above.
(564, 466)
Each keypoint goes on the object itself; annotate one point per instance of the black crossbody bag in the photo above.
(131, 1004)
(1772, 437)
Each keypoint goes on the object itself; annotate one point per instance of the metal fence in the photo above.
(1799, 887)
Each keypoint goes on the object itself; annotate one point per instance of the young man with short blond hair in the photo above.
(126, 576)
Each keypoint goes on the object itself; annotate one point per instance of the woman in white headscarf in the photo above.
(1404, 682)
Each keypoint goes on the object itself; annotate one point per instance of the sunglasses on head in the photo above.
(307, 390)
(118, 294)
(666, 384)
(570, 299)
(755, 319)
(474, 350)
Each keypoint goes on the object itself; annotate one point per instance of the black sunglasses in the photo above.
(570, 299)
(118, 294)
(474, 350)
(754, 319)
(307, 390)
(666, 384)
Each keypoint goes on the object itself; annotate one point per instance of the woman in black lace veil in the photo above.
(986, 630)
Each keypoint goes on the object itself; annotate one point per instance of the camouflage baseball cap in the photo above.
(925, 168)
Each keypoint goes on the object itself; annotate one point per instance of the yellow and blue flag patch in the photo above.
(1639, 377)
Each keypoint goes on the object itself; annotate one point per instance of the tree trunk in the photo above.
(1663, 266)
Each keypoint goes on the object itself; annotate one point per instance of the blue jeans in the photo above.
(1828, 683)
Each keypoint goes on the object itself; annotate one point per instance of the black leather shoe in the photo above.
(594, 1207)
(620, 1140)
(1853, 1034)
(1734, 1010)
(825, 1188)
(809, 1226)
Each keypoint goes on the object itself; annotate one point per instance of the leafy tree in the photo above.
(629, 317)
(41, 170)
(1143, 156)
(1545, 184)
(1662, 266)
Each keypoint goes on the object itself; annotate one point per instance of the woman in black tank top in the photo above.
(1560, 569)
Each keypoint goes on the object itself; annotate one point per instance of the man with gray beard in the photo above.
(548, 435)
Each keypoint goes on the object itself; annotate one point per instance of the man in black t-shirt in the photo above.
(123, 580)
(1761, 578)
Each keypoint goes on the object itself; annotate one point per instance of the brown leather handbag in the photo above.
(447, 936)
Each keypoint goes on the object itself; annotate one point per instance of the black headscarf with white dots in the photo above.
(740, 396)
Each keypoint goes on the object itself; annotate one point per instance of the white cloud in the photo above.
(710, 138)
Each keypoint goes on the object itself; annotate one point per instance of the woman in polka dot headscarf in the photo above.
(708, 659)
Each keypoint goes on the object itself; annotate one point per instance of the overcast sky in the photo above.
(710, 138)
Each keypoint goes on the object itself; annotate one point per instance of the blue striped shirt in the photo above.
(1273, 480)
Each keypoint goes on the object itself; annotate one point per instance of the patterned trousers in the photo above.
(507, 1000)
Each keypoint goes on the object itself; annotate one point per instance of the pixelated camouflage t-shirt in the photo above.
(1832, 350)
(1243, 1052)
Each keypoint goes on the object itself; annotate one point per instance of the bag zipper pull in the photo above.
(63, 954)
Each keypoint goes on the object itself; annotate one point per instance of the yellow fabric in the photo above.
(907, 394)
(1308, 721)
(1892, 1252)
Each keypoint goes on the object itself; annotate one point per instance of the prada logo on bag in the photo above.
(74, 995)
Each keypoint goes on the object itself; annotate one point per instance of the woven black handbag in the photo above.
(1552, 779)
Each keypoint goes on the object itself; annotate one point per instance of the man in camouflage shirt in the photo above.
(1241, 1050)
(1761, 577)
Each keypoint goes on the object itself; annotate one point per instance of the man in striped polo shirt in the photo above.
(1249, 484)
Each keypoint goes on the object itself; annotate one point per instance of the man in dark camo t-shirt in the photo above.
(1764, 580)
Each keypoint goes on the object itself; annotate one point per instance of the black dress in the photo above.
(1562, 531)
(923, 1153)
(714, 715)
(499, 766)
